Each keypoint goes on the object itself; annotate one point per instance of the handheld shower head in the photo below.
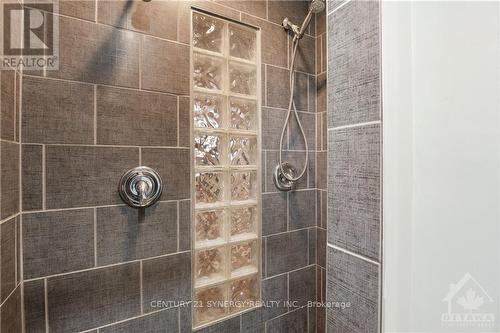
(317, 6)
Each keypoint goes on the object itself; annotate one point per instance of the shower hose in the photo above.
(291, 105)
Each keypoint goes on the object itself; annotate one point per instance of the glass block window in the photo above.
(226, 168)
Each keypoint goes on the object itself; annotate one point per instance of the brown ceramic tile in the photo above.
(228, 325)
(324, 131)
(7, 104)
(295, 10)
(305, 60)
(184, 122)
(273, 289)
(354, 52)
(125, 233)
(98, 54)
(130, 117)
(57, 242)
(184, 16)
(274, 44)
(173, 165)
(311, 169)
(286, 252)
(158, 18)
(320, 23)
(184, 225)
(323, 53)
(294, 321)
(312, 93)
(77, 303)
(321, 93)
(166, 279)
(275, 213)
(252, 7)
(84, 9)
(312, 245)
(321, 247)
(81, 9)
(162, 321)
(17, 128)
(86, 176)
(34, 306)
(278, 87)
(18, 250)
(57, 111)
(300, 95)
(9, 181)
(302, 210)
(302, 288)
(11, 313)
(296, 141)
(354, 280)
(8, 258)
(321, 170)
(272, 124)
(354, 189)
(324, 208)
(318, 54)
(32, 177)
(165, 66)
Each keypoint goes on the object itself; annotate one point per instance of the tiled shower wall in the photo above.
(121, 99)
(10, 221)
(354, 166)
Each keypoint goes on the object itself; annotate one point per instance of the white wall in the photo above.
(441, 95)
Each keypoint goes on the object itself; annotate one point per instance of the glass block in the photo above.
(243, 294)
(242, 79)
(208, 149)
(243, 185)
(208, 72)
(207, 32)
(243, 223)
(241, 43)
(210, 266)
(243, 150)
(209, 227)
(209, 187)
(243, 114)
(209, 304)
(243, 258)
(208, 111)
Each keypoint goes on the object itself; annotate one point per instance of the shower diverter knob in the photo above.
(140, 187)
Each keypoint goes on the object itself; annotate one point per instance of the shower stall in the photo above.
(253, 166)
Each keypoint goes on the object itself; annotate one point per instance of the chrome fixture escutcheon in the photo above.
(281, 182)
(140, 187)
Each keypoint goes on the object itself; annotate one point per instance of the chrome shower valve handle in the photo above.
(140, 187)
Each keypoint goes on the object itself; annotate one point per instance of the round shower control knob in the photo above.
(140, 187)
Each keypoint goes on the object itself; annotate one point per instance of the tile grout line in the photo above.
(107, 266)
(359, 256)
(95, 236)
(375, 122)
(178, 122)
(95, 114)
(46, 299)
(178, 226)
(141, 287)
(80, 208)
(44, 177)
